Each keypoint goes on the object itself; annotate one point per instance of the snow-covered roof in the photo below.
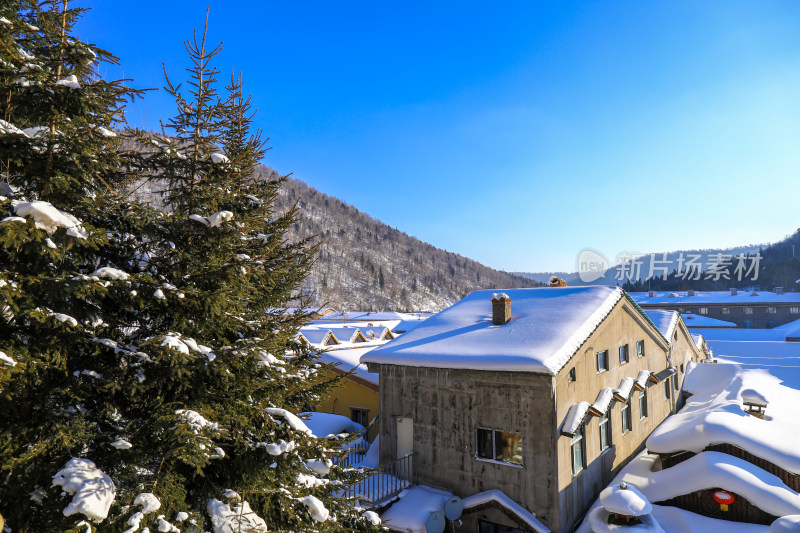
(699, 340)
(347, 334)
(664, 320)
(372, 316)
(625, 499)
(742, 297)
(575, 417)
(623, 392)
(699, 321)
(324, 424)
(415, 504)
(601, 403)
(502, 499)
(714, 415)
(348, 359)
(709, 470)
(317, 336)
(547, 326)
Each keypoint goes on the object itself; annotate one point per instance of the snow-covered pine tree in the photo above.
(144, 375)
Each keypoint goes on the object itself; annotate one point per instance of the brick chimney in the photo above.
(555, 281)
(501, 308)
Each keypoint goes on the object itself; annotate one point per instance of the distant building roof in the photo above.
(347, 359)
(699, 321)
(742, 297)
(547, 326)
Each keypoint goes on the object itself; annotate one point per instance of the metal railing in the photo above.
(352, 456)
(386, 480)
(372, 430)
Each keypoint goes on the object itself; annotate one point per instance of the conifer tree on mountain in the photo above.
(143, 359)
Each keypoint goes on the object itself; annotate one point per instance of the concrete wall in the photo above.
(448, 405)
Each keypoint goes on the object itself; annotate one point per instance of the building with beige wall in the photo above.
(542, 394)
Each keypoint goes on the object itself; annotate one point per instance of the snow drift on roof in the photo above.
(714, 415)
(501, 498)
(547, 326)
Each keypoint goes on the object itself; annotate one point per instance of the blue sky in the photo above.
(516, 133)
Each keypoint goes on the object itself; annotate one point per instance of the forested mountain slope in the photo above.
(365, 264)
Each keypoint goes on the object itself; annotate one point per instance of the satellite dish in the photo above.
(453, 508)
(435, 523)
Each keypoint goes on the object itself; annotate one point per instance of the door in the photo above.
(405, 436)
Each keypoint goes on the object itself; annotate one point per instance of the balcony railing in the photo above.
(386, 480)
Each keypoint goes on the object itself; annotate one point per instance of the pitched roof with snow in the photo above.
(664, 320)
(547, 327)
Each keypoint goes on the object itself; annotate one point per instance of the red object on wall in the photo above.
(723, 498)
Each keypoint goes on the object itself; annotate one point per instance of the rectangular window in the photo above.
(642, 403)
(577, 445)
(704, 310)
(639, 348)
(667, 390)
(675, 382)
(626, 417)
(771, 310)
(359, 415)
(623, 354)
(602, 361)
(748, 324)
(572, 374)
(726, 310)
(747, 310)
(605, 430)
(794, 310)
(499, 445)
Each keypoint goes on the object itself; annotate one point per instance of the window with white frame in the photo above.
(604, 423)
(578, 447)
(625, 413)
(602, 361)
(499, 445)
(639, 348)
(642, 403)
